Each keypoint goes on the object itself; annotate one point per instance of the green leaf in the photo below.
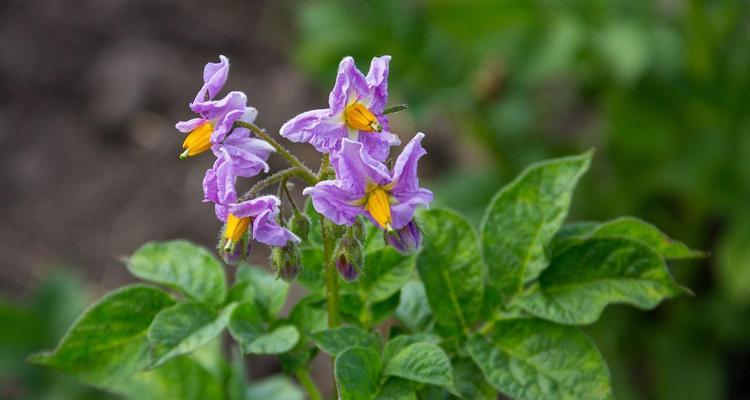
(181, 265)
(627, 227)
(274, 388)
(523, 217)
(107, 344)
(384, 273)
(183, 328)
(268, 293)
(470, 382)
(582, 281)
(396, 389)
(249, 329)
(357, 372)
(413, 309)
(422, 362)
(179, 378)
(336, 340)
(451, 268)
(310, 314)
(535, 359)
(398, 343)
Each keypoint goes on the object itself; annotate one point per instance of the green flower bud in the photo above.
(286, 261)
(349, 258)
(299, 224)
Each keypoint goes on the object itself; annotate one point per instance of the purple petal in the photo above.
(349, 81)
(356, 167)
(248, 154)
(378, 144)
(403, 211)
(214, 77)
(214, 109)
(334, 200)
(377, 82)
(316, 127)
(222, 212)
(405, 169)
(189, 125)
(266, 230)
(254, 207)
(218, 183)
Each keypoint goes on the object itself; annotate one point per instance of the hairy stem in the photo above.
(282, 175)
(332, 283)
(400, 107)
(306, 173)
(304, 379)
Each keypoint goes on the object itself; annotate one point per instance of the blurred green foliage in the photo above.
(38, 322)
(659, 88)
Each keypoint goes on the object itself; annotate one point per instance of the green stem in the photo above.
(304, 379)
(268, 181)
(400, 107)
(306, 173)
(331, 276)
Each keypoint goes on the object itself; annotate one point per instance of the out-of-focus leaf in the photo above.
(592, 274)
(248, 327)
(179, 378)
(357, 372)
(336, 340)
(268, 293)
(108, 344)
(413, 309)
(384, 273)
(396, 388)
(276, 388)
(422, 362)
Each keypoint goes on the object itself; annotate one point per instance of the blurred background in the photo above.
(90, 91)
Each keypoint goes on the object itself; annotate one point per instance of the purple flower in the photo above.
(365, 186)
(405, 240)
(259, 217)
(215, 122)
(355, 111)
(214, 77)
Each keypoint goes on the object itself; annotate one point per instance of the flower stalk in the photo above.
(306, 173)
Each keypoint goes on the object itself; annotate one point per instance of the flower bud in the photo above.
(286, 261)
(406, 240)
(358, 230)
(349, 258)
(233, 255)
(299, 224)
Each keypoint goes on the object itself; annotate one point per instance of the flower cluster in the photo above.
(355, 137)
(238, 154)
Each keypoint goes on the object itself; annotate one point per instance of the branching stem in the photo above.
(306, 173)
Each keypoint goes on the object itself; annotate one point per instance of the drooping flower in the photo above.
(256, 217)
(216, 117)
(355, 111)
(365, 186)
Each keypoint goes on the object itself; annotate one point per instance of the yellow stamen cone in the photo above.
(198, 140)
(379, 208)
(358, 117)
(235, 228)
